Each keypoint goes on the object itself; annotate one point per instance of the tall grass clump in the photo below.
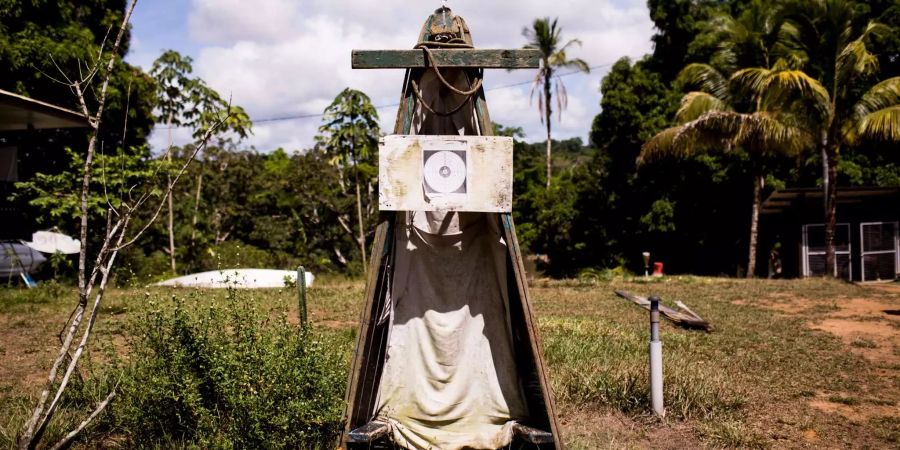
(604, 363)
(227, 375)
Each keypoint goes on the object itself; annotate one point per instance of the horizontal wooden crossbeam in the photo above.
(456, 57)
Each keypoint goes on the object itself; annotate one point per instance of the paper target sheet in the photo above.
(445, 173)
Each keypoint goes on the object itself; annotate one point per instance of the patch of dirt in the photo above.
(782, 303)
(25, 354)
(868, 327)
(866, 308)
(893, 288)
(876, 340)
(855, 413)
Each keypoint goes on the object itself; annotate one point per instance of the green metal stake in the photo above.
(301, 291)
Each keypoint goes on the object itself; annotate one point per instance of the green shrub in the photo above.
(229, 376)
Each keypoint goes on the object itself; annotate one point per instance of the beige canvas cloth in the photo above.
(450, 380)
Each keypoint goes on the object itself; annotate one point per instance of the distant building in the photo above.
(867, 236)
(27, 149)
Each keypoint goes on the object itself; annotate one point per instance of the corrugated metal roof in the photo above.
(784, 199)
(20, 113)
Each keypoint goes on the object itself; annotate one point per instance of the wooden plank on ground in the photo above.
(457, 57)
(685, 317)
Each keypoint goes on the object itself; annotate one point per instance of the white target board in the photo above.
(445, 173)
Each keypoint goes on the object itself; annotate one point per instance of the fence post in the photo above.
(301, 291)
(656, 370)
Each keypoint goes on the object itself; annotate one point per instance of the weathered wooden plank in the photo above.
(686, 318)
(368, 433)
(457, 57)
(363, 368)
(518, 266)
(532, 435)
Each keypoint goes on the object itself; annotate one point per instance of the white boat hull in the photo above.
(238, 278)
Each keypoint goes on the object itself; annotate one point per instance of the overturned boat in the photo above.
(238, 279)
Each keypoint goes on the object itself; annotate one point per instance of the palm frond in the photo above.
(855, 60)
(883, 124)
(695, 104)
(562, 94)
(883, 95)
(663, 145)
(725, 131)
(705, 78)
(774, 88)
(578, 64)
(769, 133)
(571, 42)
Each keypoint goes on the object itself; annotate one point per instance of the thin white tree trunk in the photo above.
(362, 231)
(171, 221)
(758, 184)
(196, 206)
(30, 437)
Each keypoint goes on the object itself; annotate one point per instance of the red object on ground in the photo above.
(657, 269)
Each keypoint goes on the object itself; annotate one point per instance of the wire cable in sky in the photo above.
(394, 105)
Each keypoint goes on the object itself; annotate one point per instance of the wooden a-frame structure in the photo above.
(540, 428)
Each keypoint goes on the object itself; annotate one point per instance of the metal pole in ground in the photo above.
(656, 368)
(301, 291)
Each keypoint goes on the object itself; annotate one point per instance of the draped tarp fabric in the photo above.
(450, 379)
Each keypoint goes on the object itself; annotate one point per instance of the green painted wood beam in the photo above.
(457, 57)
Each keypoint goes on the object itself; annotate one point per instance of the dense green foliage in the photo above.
(42, 42)
(693, 212)
(238, 207)
(229, 376)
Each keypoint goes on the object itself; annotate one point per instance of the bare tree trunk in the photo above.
(42, 414)
(196, 207)
(362, 231)
(758, 183)
(171, 225)
(549, 115)
(829, 157)
(171, 222)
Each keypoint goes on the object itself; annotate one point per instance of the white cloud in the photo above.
(283, 57)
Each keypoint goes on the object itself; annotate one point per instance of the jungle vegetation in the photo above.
(602, 206)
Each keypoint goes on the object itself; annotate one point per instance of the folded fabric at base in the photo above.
(450, 379)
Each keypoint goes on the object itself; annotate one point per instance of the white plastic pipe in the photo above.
(656, 367)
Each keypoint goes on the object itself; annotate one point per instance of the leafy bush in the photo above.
(229, 376)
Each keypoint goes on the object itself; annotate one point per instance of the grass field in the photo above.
(790, 364)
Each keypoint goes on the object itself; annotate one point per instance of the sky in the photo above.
(288, 59)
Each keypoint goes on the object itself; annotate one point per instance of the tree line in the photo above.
(727, 108)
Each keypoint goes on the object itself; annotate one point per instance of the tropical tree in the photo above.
(189, 102)
(351, 138)
(709, 120)
(842, 104)
(546, 36)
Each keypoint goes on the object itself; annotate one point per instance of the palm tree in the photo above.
(545, 36)
(835, 49)
(841, 110)
(708, 120)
